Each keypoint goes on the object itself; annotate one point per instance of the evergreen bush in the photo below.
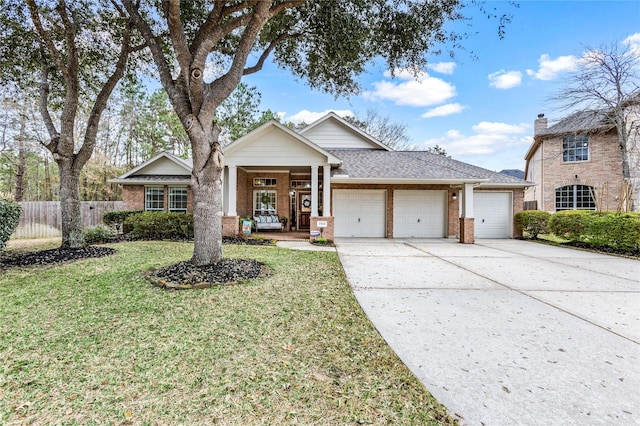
(97, 234)
(118, 217)
(533, 222)
(10, 212)
(161, 225)
(618, 231)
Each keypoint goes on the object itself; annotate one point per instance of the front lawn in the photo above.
(92, 342)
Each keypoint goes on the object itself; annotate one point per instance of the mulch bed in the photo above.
(182, 275)
(185, 275)
(46, 257)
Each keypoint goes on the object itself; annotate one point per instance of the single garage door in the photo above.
(359, 213)
(419, 214)
(492, 211)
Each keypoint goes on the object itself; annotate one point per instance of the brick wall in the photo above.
(133, 197)
(603, 171)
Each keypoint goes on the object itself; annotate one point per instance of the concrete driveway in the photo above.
(507, 332)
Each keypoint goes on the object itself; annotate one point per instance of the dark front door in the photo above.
(304, 210)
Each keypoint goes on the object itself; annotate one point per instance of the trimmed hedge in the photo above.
(619, 231)
(118, 217)
(10, 212)
(161, 225)
(97, 234)
(533, 222)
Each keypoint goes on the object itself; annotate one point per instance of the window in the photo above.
(575, 148)
(264, 182)
(178, 199)
(575, 197)
(154, 198)
(264, 202)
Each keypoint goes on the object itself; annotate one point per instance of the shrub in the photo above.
(533, 222)
(570, 224)
(97, 234)
(118, 217)
(161, 225)
(10, 212)
(619, 231)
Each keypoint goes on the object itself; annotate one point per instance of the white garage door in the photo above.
(419, 214)
(359, 213)
(492, 211)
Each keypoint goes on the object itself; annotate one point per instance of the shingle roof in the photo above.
(413, 165)
(579, 122)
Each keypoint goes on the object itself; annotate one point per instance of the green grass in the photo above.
(92, 342)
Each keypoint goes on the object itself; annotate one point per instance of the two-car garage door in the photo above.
(416, 213)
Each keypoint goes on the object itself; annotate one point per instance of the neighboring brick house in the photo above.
(576, 164)
(333, 175)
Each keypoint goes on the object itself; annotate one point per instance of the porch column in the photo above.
(326, 190)
(467, 230)
(467, 201)
(314, 191)
(232, 185)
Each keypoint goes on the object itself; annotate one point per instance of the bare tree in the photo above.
(391, 133)
(606, 83)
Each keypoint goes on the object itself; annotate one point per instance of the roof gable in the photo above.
(334, 132)
(274, 144)
(162, 164)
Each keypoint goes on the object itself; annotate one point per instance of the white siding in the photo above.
(333, 135)
(534, 174)
(419, 214)
(163, 166)
(275, 148)
(359, 213)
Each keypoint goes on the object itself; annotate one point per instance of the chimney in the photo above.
(540, 124)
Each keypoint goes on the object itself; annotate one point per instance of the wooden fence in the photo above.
(41, 219)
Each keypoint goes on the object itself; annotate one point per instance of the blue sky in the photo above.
(481, 110)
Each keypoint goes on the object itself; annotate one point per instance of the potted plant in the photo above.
(284, 220)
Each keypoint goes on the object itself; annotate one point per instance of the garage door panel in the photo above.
(419, 213)
(360, 213)
(493, 217)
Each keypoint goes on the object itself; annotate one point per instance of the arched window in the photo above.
(575, 197)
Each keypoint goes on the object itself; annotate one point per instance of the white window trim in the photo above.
(171, 200)
(146, 199)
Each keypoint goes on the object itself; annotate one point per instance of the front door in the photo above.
(304, 210)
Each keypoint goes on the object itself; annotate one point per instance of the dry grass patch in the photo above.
(93, 342)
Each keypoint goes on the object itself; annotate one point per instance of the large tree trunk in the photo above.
(206, 184)
(70, 205)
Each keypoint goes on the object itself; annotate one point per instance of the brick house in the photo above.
(334, 176)
(576, 164)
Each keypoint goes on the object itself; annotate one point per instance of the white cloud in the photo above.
(633, 41)
(488, 139)
(415, 90)
(550, 68)
(486, 127)
(505, 79)
(444, 110)
(306, 116)
(443, 67)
